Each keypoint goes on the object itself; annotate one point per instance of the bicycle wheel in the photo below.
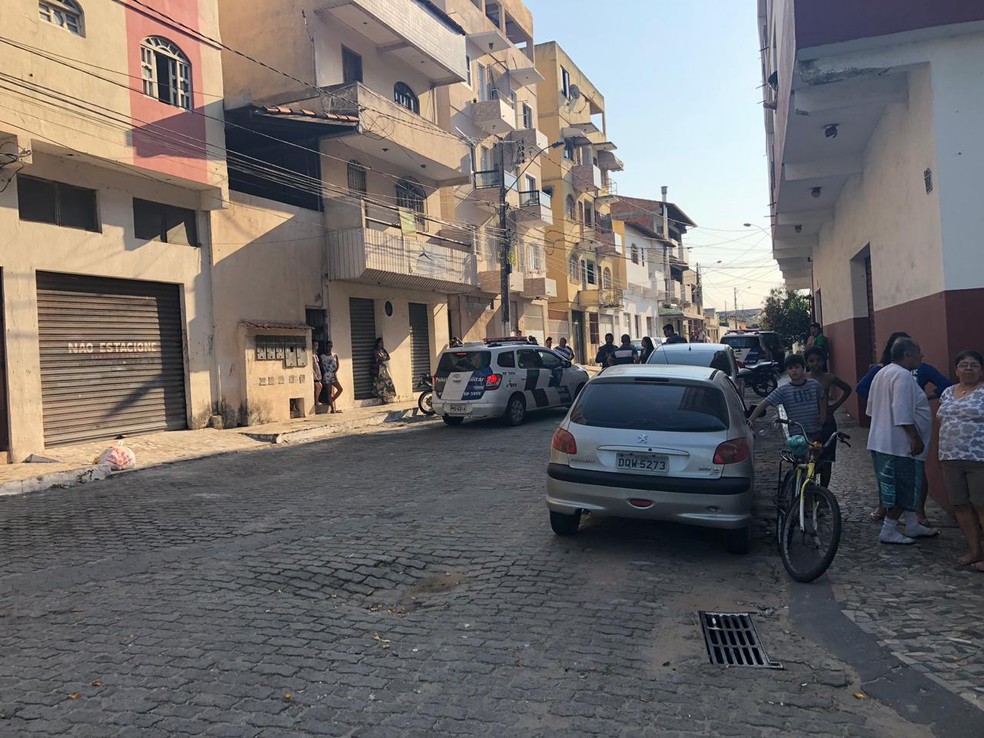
(808, 548)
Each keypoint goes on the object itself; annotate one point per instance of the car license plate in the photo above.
(457, 408)
(642, 462)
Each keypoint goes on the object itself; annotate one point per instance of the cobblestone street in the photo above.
(407, 583)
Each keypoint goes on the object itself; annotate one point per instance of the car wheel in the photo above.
(515, 410)
(452, 419)
(565, 525)
(738, 541)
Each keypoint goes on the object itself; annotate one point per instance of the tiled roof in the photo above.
(289, 112)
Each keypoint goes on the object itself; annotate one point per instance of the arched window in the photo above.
(634, 251)
(166, 72)
(65, 14)
(404, 96)
(572, 268)
(410, 195)
(606, 278)
(356, 178)
(571, 208)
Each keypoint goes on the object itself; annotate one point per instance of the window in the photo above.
(588, 214)
(638, 326)
(482, 73)
(571, 208)
(647, 406)
(507, 360)
(468, 74)
(411, 196)
(528, 116)
(606, 278)
(167, 223)
(529, 359)
(43, 201)
(572, 268)
(530, 184)
(166, 72)
(565, 83)
(65, 14)
(568, 151)
(351, 66)
(594, 333)
(549, 359)
(404, 96)
(356, 178)
(634, 251)
(590, 272)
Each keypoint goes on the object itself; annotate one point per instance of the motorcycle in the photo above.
(762, 378)
(424, 399)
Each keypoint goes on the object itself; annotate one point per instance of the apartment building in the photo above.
(495, 111)
(585, 257)
(875, 158)
(660, 226)
(338, 168)
(109, 172)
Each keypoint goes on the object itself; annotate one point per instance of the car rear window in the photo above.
(652, 406)
(463, 361)
(741, 342)
(712, 359)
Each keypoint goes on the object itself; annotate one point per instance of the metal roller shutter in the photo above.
(362, 314)
(112, 357)
(420, 354)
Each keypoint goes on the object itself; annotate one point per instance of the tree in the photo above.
(788, 314)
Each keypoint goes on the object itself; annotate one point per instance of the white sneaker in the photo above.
(918, 530)
(895, 537)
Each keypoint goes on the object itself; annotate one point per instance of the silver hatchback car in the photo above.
(657, 442)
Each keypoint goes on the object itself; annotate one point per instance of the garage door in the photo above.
(112, 357)
(362, 314)
(420, 351)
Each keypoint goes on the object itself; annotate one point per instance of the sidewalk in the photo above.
(74, 464)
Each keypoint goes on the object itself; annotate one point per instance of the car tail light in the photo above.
(493, 381)
(564, 442)
(732, 452)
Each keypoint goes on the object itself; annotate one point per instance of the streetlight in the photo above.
(505, 268)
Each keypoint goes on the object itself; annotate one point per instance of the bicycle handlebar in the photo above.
(834, 437)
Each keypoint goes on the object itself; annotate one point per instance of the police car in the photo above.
(502, 378)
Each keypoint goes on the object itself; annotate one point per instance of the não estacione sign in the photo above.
(113, 347)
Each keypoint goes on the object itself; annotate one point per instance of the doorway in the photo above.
(577, 336)
(420, 352)
(362, 316)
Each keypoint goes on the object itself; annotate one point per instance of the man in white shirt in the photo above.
(901, 424)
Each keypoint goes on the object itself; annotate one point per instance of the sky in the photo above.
(681, 81)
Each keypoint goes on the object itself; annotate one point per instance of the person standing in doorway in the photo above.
(901, 422)
(382, 382)
(816, 339)
(564, 350)
(316, 371)
(671, 335)
(329, 376)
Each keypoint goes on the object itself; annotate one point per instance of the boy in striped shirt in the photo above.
(802, 397)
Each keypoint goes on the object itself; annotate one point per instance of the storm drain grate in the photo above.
(732, 640)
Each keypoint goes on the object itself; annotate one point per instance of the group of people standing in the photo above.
(327, 388)
(898, 391)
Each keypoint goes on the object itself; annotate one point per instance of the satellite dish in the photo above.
(575, 92)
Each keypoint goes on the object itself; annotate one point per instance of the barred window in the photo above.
(356, 178)
(404, 96)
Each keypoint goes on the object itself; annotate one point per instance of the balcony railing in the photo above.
(492, 179)
(387, 257)
(534, 208)
(610, 296)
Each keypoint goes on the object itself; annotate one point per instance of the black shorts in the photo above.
(830, 453)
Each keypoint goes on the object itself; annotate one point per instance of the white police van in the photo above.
(502, 378)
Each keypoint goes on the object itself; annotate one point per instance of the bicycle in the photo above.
(808, 518)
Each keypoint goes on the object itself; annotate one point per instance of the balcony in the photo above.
(422, 37)
(586, 178)
(540, 288)
(534, 209)
(606, 242)
(487, 184)
(610, 297)
(609, 162)
(496, 116)
(529, 143)
(397, 135)
(387, 257)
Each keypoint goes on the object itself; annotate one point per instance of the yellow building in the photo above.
(584, 254)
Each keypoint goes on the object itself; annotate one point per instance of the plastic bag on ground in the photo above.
(118, 456)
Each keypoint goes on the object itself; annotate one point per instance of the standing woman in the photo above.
(329, 376)
(316, 368)
(647, 348)
(382, 382)
(961, 417)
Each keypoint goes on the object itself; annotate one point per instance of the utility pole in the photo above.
(736, 307)
(505, 242)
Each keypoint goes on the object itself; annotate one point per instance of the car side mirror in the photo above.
(750, 410)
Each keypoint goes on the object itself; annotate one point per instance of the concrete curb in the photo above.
(69, 478)
(328, 429)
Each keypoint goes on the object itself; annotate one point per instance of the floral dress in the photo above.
(382, 382)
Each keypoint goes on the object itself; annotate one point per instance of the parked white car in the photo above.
(503, 379)
(657, 442)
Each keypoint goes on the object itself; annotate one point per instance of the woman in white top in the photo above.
(961, 417)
